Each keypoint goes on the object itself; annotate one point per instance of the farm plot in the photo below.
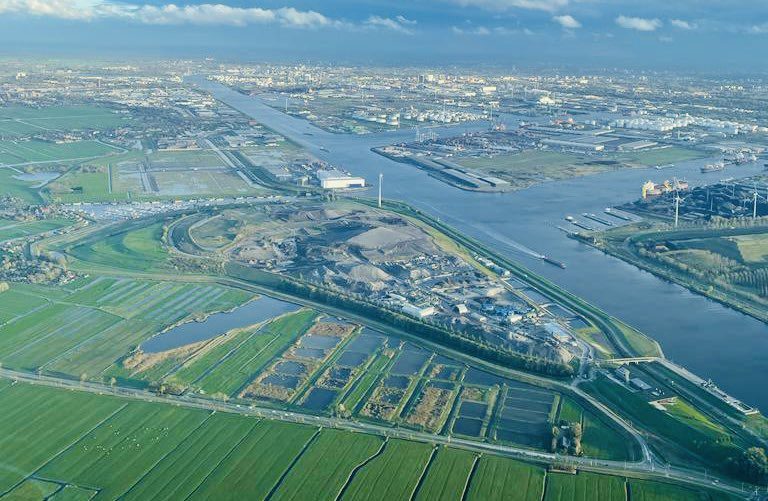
(323, 469)
(16, 229)
(21, 152)
(255, 467)
(16, 303)
(641, 490)
(447, 475)
(238, 368)
(393, 474)
(38, 423)
(139, 250)
(584, 486)
(181, 472)
(63, 118)
(499, 479)
(33, 340)
(124, 448)
(32, 489)
(10, 185)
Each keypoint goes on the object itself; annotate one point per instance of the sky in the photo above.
(692, 35)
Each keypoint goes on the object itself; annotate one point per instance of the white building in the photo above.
(335, 179)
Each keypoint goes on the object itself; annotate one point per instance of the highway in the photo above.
(638, 469)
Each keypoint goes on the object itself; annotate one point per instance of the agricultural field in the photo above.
(10, 185)
(17, 229)
(584, 487)
(659, 156)
(138, 249)
(71, 445)
(447, 475)
(22, 121)
(393, 474)
(495, 478)
(37, 151)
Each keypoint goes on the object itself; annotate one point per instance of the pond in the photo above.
(254, 312)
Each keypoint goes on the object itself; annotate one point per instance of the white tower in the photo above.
(381, 179)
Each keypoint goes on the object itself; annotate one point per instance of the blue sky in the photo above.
(715, 35)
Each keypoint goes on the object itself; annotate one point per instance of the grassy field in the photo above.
(752, 248)
(21, 120)
(495, 478)
(139, 249)
(21, 152)
(254, 468)
(447, 475)
(18, 188)
(72, 445)
(584, 487)
(660, 156)
(16, 303)
(393, 474)
(16, 229)
(237, 369)
(324, 468)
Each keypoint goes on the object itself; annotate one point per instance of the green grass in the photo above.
(569, 411)
(256, 465)
(73, 493)
(37, 423)
(181, 472)
(641, 490)
(393, 474)
(21, 152)
(15, 303)
(603, 441)
(584, 487)
(125, 447)
(23, 120)
(272, 339)
(17, 229)
(32, 490)
(753, 248)
(660, 156)
(707, 443)
(689, 415)
(196, 368)
(447, 475)
(17, 188)
(324, 468)
(499, 479)
(369, 376)
(137, 249)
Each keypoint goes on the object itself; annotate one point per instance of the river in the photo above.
(706, 337)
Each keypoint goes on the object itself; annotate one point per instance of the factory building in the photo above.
(336, 179)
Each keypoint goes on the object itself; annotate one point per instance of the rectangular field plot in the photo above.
(32, 489)
(36, 338)
(38, 422)
(15, 303)
(182, 471)
(20, 152)
(394, 474)
(641, 490)
(124, 448)
(255, 467)
(501, 479)
(584, 487)
(239, 367)
(447, 476)
(64, 118)
(16, 229)
(523, 416)
(323, 469)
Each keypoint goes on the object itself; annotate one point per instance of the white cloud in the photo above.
(485, 31)
(758, 29)
(638, 23)
(682, 24)
(199, 14)
(566, 21)
(501, 5)
(399, 23)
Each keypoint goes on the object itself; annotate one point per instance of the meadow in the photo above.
(69, 445)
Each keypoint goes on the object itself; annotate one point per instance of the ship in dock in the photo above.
(715, 167)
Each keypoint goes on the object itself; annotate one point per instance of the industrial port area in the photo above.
(362, 271)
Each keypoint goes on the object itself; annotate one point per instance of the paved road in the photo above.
(641, 469)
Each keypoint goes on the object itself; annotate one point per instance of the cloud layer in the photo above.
(567, 22)
(638, 23)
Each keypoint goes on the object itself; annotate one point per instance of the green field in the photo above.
(447, 475)
(16, 229)
(18, 188)
(324, 468)
(495, 478)
(72, 445)
(241, 366)
(660, 156)
(393, 474)
(584, 487)
(20, 152)
(139, 249)
(21, 120)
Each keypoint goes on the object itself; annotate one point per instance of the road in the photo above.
(642, 470)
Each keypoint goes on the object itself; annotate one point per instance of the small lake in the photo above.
(256, 311)
(41, 178)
